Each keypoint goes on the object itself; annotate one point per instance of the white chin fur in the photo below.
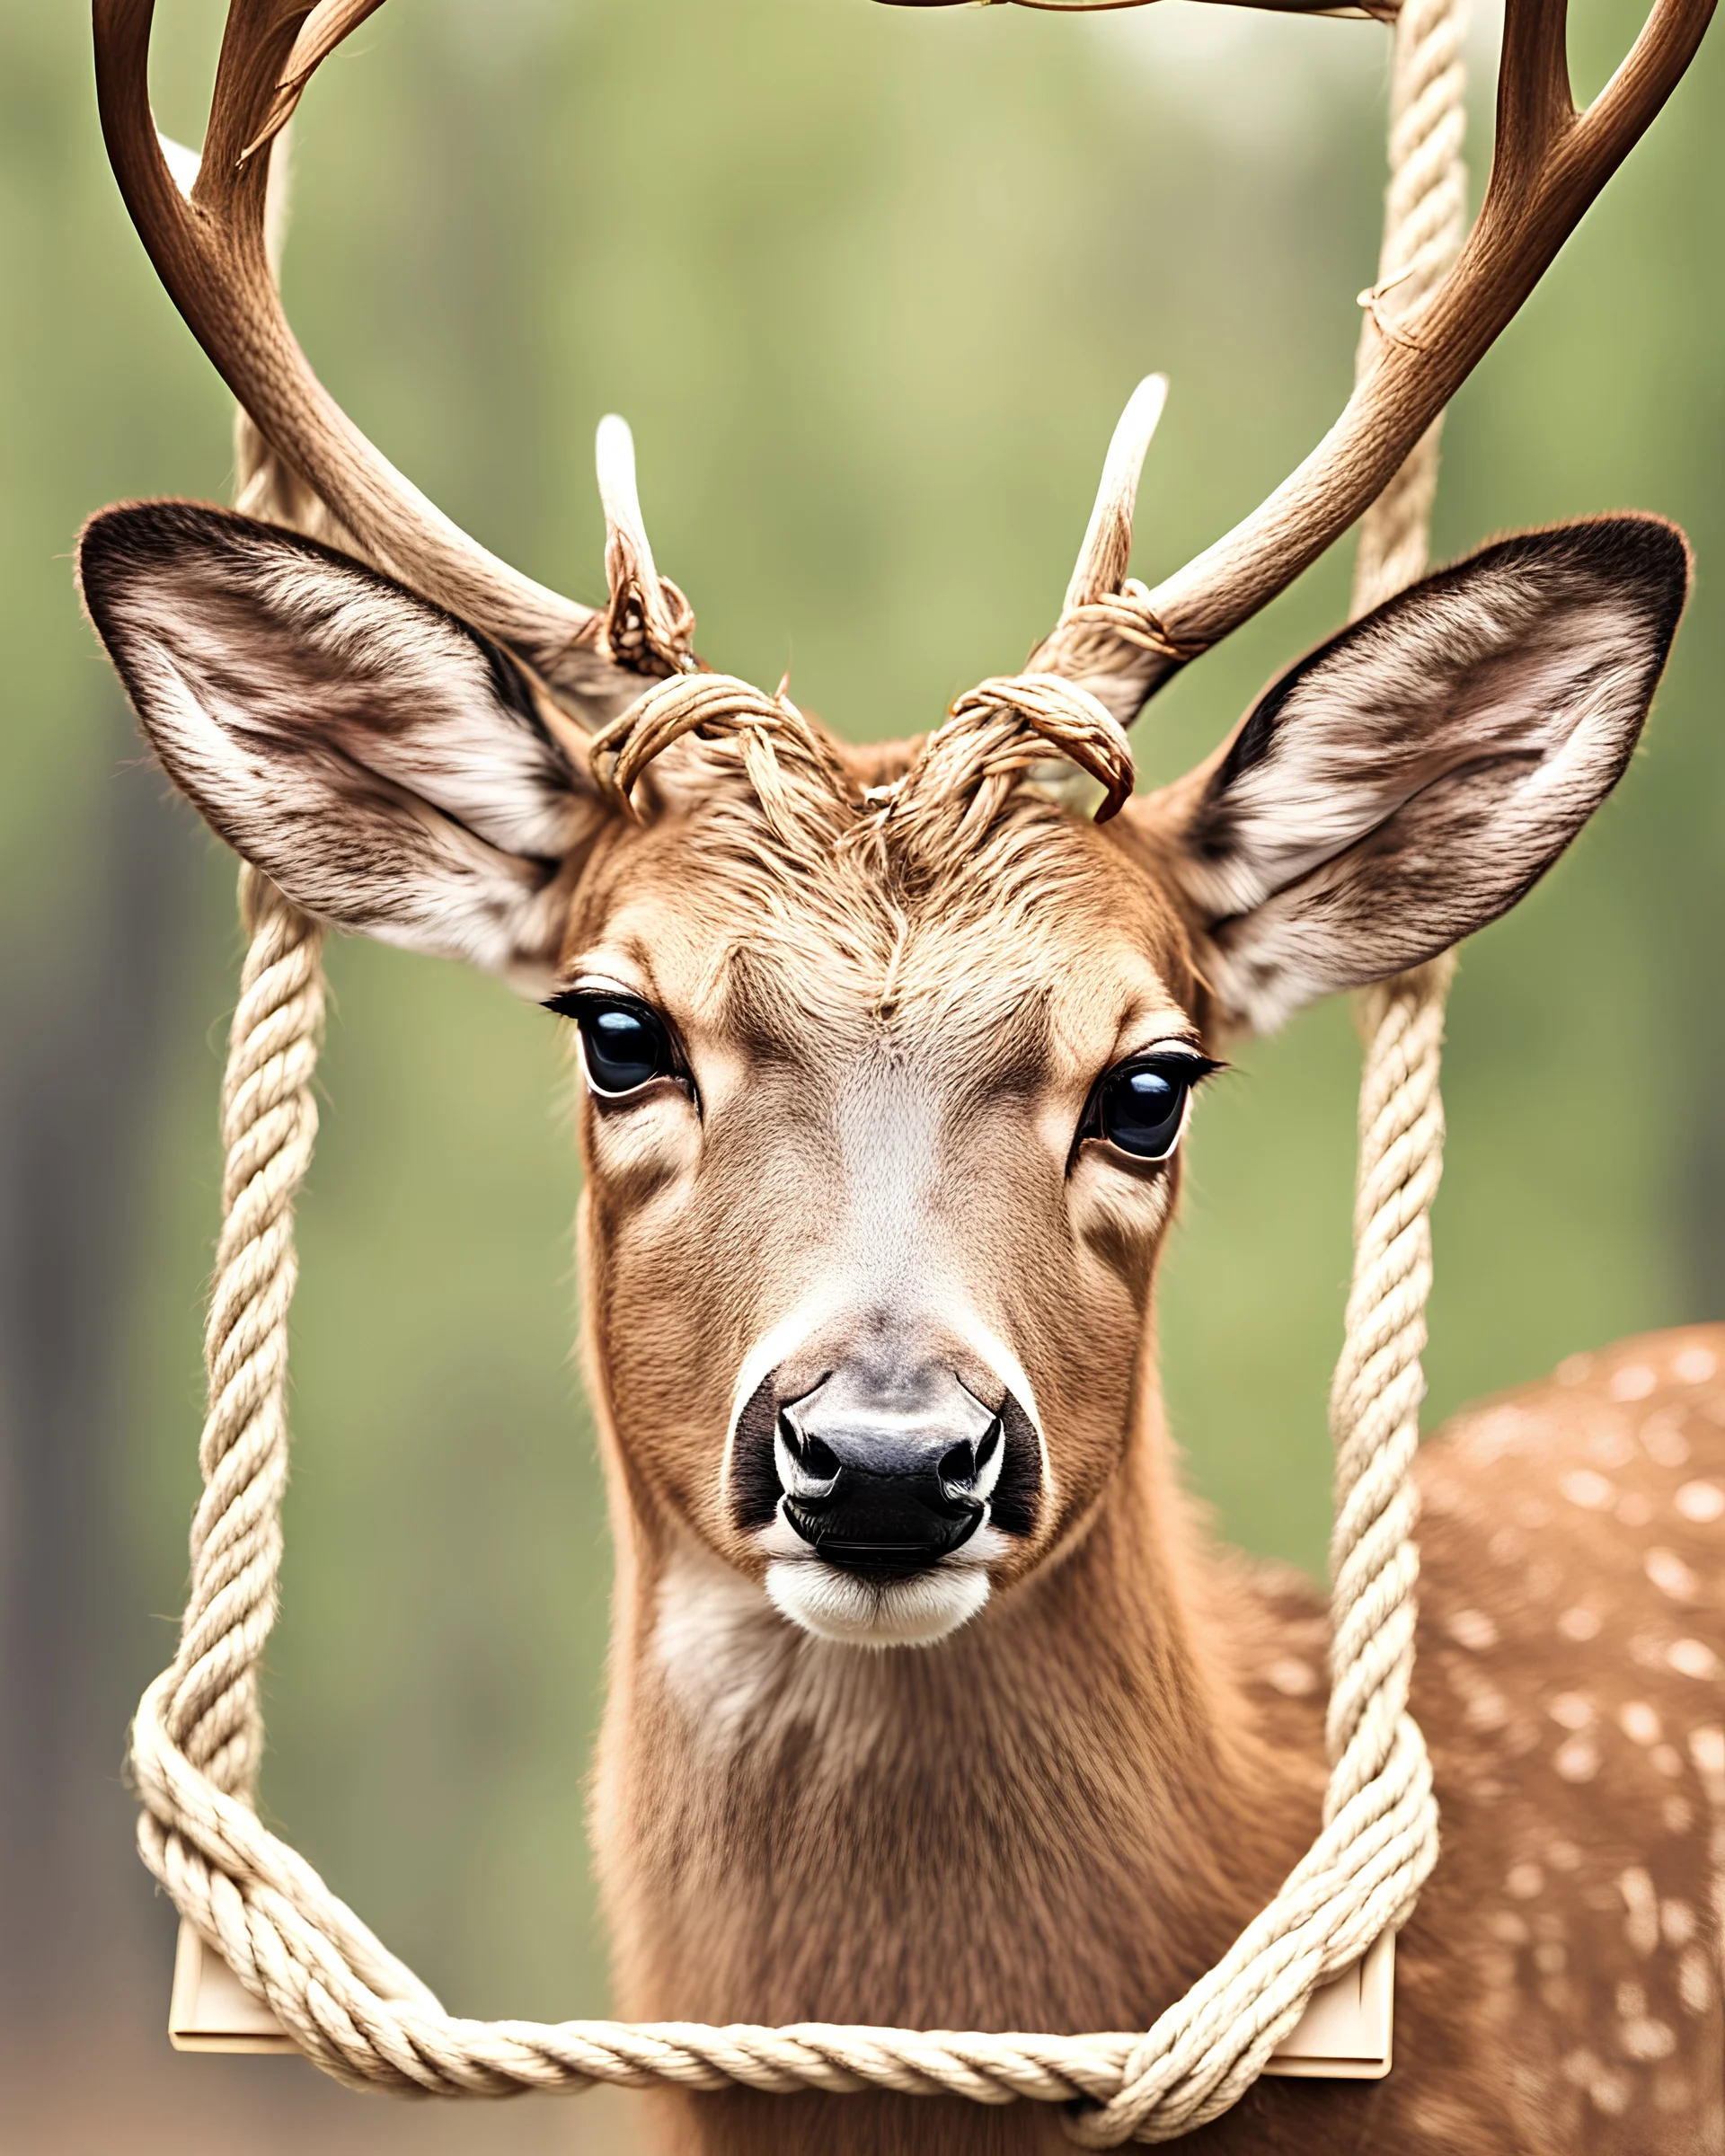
(862, 1613)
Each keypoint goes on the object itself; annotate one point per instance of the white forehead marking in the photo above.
(888, 1121)
(889, 1128)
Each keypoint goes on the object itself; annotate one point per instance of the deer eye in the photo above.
(624, 1046)
(1139, 1108)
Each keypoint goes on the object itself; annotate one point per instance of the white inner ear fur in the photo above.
(1373, 726)
(357, 851)
(1419, 775)
(297, 649)
(379, 763)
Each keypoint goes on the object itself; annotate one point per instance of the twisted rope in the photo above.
(994, 736)
(268, 1124)
(1085, 643)
(778, 744)
(1379, 1382)
(197, 1740)
(1006, 726)
(1425, 221)
(648, 619)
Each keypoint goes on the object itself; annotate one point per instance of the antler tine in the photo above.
(648, 622)
(209, 253)
(1100, 567)
(319, 33)
(1104, 611)
(1550, 163)
(626, 528)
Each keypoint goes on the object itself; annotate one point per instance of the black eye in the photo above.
(623, 1046)
(1139, 1107)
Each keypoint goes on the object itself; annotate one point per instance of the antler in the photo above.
(649, 623)
(209, 249)
(1551, 162)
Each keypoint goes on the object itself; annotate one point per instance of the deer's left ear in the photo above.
(1407, 781)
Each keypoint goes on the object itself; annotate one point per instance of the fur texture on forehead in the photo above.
(828, 904)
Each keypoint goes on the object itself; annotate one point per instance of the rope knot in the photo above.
(1005, 726)
(648, 625)
(778, 745)
(1125, 615)
(993, 737)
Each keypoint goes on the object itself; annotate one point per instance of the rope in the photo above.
(197, 1740)
(1005, 730)
(1004, 726)
(778, 745)
(269, 1122)
(1379, 1383)
(1425, 221)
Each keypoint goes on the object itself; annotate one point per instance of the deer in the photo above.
(932, 1699)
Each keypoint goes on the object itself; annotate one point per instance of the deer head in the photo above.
(887, 1053)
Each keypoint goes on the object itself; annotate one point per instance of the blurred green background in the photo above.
(871, 286)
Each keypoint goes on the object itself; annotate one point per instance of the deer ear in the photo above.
(384, 764)
(1407, 781)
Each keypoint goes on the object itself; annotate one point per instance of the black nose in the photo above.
(887, 1484)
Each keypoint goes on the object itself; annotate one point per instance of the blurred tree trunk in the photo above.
(80, 1057)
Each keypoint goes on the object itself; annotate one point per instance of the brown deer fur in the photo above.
(1141, 1765)
(889, 1013)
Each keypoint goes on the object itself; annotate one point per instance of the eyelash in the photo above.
(641, 1046)
(1117, 1112)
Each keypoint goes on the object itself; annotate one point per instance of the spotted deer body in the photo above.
(932, 1702)
(1572, 1684)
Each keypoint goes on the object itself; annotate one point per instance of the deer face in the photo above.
(885, 1081)
(857, 1161)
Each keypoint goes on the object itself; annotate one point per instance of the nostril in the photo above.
(958, 1469)
(818, 1459)
(808, 1467)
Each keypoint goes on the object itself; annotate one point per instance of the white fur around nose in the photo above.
(884, 1258)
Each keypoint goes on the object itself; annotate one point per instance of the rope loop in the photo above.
(367, 2020)
(1127, 616)
(992, 735)
(774, 739)
(1006, 726)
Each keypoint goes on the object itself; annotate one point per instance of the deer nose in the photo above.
(887, 1488)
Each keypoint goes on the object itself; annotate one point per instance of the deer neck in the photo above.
(788, 1829)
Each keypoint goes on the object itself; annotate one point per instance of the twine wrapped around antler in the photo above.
(778, 745)
(197, 1737)
(992, 737)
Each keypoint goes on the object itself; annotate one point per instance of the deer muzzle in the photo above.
(887, 1490)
